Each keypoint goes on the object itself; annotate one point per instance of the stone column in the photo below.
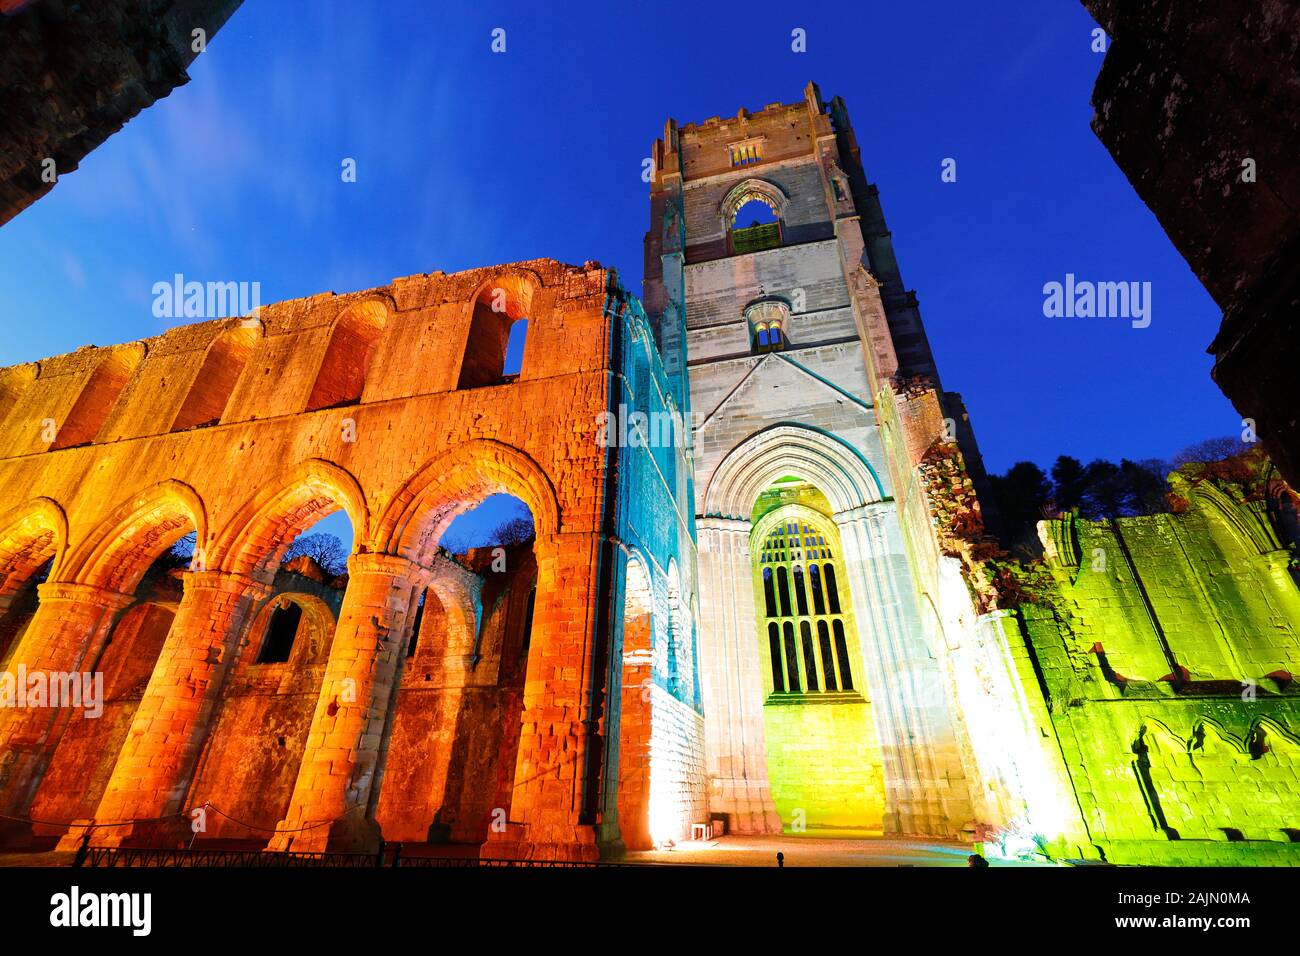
(546, 799)
(735, 745)
(904, 680)
(71, 620)
(156, 766)
(334, 796)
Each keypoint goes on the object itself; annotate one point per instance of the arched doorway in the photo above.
(455, 733)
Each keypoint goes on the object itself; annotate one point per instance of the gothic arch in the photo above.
(262, 529)
(842, 474)
(30, 535)
(120, 549)
(518, 285)
(1222, 510)
(455, 481)
(762, 190)
(1279, 737)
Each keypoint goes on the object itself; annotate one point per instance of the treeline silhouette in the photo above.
(1099, 490)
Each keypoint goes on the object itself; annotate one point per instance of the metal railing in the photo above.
(390, 856)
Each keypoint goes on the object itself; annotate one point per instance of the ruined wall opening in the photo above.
(457, 717)
(514, 360)
(352, 345)
(251, 760)
(823, 751)
(98, 397)
(20, 608)
(498, 327)
(752, 213)
(281, 630)
(206, 402)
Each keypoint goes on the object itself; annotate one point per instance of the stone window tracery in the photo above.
(768, 326)
(803, 611)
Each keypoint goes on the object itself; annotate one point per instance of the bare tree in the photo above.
(1211, 449)
(325, 549)
(514, 531)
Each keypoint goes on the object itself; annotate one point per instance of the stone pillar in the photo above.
(71, 620)
(734, 742)
(924, 781)
(156, 766)
(546, 799)
(335, 794)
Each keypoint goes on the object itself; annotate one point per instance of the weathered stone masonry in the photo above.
(350, 402)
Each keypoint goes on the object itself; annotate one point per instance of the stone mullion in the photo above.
(156, 765)
(70, 620)
(545, 802)
(331, 806)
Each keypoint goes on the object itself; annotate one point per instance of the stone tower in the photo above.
(827, 593)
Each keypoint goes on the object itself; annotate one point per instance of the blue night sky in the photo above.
(467, 158)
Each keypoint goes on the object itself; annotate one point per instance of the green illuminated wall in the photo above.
(1166, 645)
(824, 759)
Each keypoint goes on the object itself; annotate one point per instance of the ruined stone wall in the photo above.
(1166, 645)
(398, 446)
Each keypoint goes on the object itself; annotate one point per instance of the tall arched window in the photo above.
(494, 347)
(751, 214)
(802, 617)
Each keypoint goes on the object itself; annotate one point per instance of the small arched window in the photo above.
(216, 380)
(768, 324)
(281, 630)
(352, 345)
